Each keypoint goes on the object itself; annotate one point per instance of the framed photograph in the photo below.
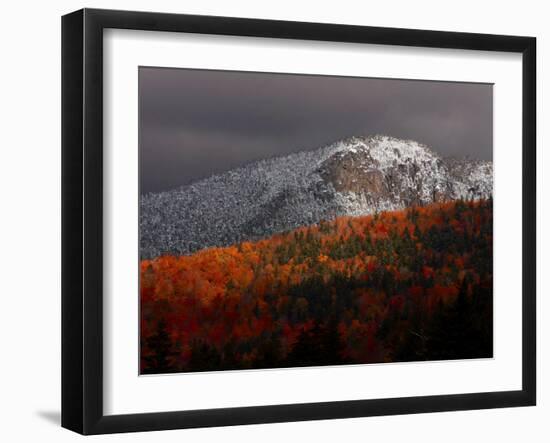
(269, 221)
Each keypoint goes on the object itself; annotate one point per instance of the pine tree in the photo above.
(161, 347)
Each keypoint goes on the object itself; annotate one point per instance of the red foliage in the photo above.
(235, 295)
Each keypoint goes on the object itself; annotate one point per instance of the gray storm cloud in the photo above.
(194, 123)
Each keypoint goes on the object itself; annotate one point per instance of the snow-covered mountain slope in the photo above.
(355, 176)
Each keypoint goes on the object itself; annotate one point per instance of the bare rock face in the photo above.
(391, 172)
(355, 176)
(353, 172)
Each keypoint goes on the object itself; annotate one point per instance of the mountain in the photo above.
(354, 176)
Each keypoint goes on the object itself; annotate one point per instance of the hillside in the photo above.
(355, 176)
(406, 285)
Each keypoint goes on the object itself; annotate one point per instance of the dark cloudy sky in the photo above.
(194, 123)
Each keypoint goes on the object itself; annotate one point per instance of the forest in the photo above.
(409, 285)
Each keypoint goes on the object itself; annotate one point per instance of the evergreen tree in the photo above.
(161, 347)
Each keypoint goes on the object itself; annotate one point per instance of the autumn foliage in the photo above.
(396, 286)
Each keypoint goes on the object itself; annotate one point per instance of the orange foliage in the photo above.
(389, 264)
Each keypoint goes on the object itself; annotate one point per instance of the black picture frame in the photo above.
(82, 218)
